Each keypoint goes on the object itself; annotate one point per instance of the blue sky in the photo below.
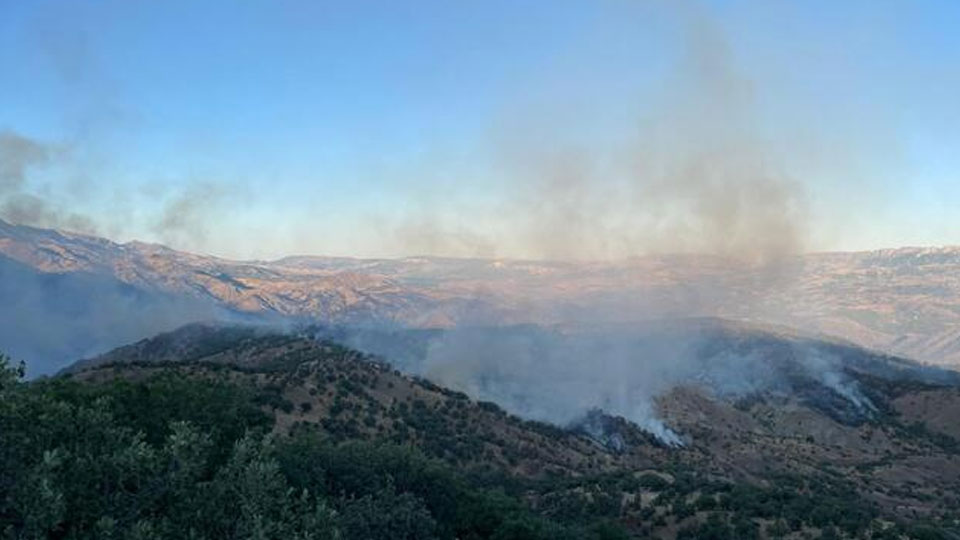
(263, 128)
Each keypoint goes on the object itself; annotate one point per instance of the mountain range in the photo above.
(902, 301)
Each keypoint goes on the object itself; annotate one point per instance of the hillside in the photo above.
(746, 459)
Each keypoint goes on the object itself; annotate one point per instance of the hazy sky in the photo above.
(504, 128)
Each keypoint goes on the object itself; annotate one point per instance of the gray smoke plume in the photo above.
(19, 201)
(704, 171)
(63, 183)
(61, 44)
(559, 376)
(698, 178)
(17, 154)
(698, 174)
(60, 40)
(551, 377)
(186, 218)
(189, 215)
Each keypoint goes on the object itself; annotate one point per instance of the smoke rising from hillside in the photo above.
(696, 176)
(187, 217)
(560, 376)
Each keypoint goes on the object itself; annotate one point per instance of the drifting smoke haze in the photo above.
(185, 218)
(68, 183)
(696, 176)
(21, 204)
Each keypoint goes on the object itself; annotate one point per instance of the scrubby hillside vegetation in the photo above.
(172, 456)
(233, 432)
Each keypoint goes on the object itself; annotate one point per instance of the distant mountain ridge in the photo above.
(904, 301)
(250, 288)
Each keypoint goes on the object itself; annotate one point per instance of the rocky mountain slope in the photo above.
(257, 288)
(804, 452)
(903, 301)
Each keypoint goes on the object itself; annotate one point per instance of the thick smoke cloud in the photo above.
(560, 376)
(554, 378)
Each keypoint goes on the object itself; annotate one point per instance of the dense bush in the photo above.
(178, 457)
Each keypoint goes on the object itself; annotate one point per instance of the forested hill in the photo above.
(172, 454)
(232, 432)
